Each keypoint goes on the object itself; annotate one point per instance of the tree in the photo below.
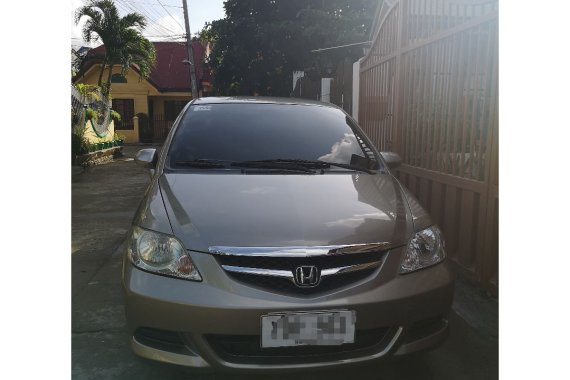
(259, 43)
(121, 36)
(137, 51)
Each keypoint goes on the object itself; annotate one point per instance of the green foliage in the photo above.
(137, 51)
(115, 115)
(258, 45)
(89, 92)
(124, 43)
(79, 144)
(91, 114)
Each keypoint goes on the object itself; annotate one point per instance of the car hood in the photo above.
(238, 210)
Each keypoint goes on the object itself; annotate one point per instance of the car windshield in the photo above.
(211, 135)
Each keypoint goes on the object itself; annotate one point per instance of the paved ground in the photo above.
(105, 198)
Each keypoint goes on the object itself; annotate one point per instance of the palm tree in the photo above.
(124, 43)
(137, 51)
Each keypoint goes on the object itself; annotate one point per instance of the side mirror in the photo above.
(393, 160)
(147, 158)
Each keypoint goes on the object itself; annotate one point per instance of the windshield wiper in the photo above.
(320, 164)
(295, 161)
(273, 164)
(288, 164)
(202, 164)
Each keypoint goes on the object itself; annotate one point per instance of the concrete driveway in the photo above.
(104, 200)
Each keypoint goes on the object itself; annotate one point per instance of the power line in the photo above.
(150, 10)
(156, 27)
(174, 36)
(170, 14)
(127, 8)
(153, 28)
(159, 15)
(166, 5)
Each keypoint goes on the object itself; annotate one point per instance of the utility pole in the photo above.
(190, 52)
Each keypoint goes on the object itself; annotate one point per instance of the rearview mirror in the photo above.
(393, 160)
(146, 158)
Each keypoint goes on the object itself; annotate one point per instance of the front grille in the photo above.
(287, 286)
(290, 263)
(283, 285)
(247, 348)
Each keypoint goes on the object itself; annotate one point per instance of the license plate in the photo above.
(320, 328)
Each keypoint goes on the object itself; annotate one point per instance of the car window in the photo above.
(252, 132)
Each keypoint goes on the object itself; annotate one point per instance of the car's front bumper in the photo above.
(410, 308)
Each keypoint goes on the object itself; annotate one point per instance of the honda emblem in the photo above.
(307, 276)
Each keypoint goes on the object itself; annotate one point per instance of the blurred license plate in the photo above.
(320, 328)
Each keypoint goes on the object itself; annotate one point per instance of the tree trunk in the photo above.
(101, 72)
(109, 79)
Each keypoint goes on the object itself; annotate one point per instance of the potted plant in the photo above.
(90, 114)
(119, 139)
(115, 116)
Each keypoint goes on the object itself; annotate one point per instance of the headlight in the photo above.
(425, 249)
(160, 253)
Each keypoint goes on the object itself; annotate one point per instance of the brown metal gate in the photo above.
(155, 129)
(429, 92)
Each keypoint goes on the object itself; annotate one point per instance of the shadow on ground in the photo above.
(104, 200)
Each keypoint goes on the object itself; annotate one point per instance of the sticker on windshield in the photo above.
(202, 108)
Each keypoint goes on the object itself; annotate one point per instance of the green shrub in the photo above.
(79, 144)
(115, 115)
(91, 114)
(90, 92)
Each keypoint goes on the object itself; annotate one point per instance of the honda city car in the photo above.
(274, 236)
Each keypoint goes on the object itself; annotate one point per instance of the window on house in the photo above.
(172, 108)
(118, 78)
(126, 108)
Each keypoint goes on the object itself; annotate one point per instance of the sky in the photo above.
(165, 17)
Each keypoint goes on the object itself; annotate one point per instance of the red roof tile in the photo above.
(169, 74)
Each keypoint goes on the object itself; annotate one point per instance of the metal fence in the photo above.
(102, 106)
(154, 129)
(77, 109)
(429, 92)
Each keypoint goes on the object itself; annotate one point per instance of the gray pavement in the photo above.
(104, 199)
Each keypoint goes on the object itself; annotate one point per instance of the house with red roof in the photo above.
(156, 101)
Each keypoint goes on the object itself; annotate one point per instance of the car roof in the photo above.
(260, 100)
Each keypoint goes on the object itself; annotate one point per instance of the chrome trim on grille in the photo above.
(299, 251)
(289, 274)
(259, 271)
(349, 268)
